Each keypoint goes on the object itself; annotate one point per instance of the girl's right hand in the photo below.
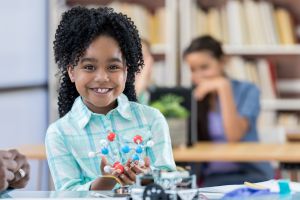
(109, 180)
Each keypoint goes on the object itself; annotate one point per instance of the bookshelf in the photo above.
(196, 11)
(180, 28)
(274, 38)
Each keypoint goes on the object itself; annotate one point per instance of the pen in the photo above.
(254, 186)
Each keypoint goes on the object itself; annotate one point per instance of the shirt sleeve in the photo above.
(250, 104)
(161, 153)
(64, 169)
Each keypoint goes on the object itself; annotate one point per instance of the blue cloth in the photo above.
(244, 193)
(247, 99)
(70, 139)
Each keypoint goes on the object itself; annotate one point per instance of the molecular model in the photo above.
(109, 146)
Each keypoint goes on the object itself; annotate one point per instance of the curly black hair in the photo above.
(78, 28)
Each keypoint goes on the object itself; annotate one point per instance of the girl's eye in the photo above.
(89, 67)
(113, 67)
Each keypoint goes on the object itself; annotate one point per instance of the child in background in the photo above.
(98, 52)
(227, 112)
(143, 79)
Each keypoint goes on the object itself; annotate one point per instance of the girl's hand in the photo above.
(132, 168)
(209, 85)
(107, 181)
(128, 177)
(141, 169)
(121, 177)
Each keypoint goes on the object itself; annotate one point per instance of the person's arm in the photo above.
(64, 169)
(161, 154)
(235, 125)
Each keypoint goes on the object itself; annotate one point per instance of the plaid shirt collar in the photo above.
(81, 113)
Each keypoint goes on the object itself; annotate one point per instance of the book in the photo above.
(235, 29)
(285, 26)
(200, 20)
(214, 23)
(224, 26)
(265, 77)
(266, 11)
(157, 27)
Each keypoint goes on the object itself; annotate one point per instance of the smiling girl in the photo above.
(98, 52)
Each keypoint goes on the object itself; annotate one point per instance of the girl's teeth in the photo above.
(102, 90)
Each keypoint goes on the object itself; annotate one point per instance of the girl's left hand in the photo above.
(208, 85)
(132, 169)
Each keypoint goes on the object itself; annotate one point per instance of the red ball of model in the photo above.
(138, 139)
(111, 136)
(116, 163)
(120, 167)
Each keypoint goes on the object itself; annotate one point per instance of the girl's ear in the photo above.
(71, 73)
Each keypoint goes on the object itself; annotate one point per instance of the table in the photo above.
(206, 151)
(287, 154)
(15, 194)
(74, 195)
(33, 151)
(239, 152)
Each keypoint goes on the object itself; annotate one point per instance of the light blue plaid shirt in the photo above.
(72, 137)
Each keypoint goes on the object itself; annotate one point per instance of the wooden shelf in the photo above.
(280, 104)
(289, 86)
(262, 50)
(151, 5)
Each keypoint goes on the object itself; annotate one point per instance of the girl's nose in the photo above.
(101, 76)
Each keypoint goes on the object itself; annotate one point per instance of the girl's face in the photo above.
(203, 65)
(100, 74)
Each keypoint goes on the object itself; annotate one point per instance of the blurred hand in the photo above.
(22, 163)
(209, 85)
(7, 168)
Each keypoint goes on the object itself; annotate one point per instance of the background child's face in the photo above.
(203, 65)
(100, 75)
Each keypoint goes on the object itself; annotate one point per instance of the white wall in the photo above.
(23, 62)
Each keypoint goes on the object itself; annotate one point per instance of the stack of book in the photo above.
(246, 22)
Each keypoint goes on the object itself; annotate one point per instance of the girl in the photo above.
(227, 112)
(98, 52)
